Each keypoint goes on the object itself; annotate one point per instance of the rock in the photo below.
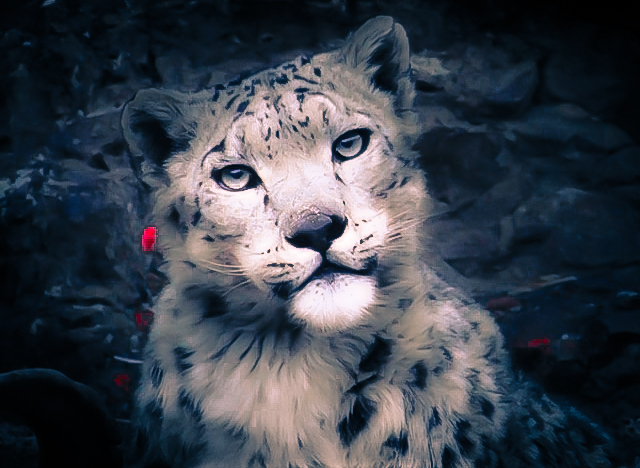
(596, 70)
(622, 167)
(579, 228)
(568, 125)
(467, 159)
(485, 80)
(456, 240)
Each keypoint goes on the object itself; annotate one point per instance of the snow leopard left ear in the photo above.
(380, 50)
(157, 123)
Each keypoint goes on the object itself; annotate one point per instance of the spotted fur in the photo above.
(261, 354)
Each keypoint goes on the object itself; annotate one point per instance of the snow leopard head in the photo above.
(292, 194)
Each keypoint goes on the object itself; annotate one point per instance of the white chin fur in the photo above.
(334, 303)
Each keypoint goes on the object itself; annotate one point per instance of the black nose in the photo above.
(317, 231)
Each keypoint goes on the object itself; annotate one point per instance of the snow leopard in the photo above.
(301, 326)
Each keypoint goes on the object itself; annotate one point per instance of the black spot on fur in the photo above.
(462, 438)
(282, 290)
(188, 404)
(246, 351)
(474, 325)
(357, 388)
(448, 457)
(404, 181)
(301, 90)
(431, 297)
(157, 374)
(242, 106)
(446, 353)
(434, 420)
(282, 79)
(277, 133)
(398, 443)
(219, 148)
(195, 218)
(290, 66)
(222, 351)
(266, 200)
(268, 134)
(181, 354)
(487, 409)
(259, 353)
(214, 306)
(257, 461)
(409, 402)
(230, 103)
(153, 410)
(419, 372)
(339, 179)
(302, 78)
(295, 129)
(317, 72)
(188, 263)
(215, 96)
(300, 444)
(437, 370)
(351, 426)
(174, 216)
(376, 356)
(304, 60)
(208, 238)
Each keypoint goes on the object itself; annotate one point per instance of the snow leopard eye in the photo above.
(235, 177)
(351, 144)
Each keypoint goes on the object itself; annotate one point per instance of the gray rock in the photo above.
(486, 80)
(596, 70)
(569, 125)
(579, 228)
(621, 167)
(460, 165)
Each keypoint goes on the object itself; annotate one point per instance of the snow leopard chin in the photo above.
(334, 303)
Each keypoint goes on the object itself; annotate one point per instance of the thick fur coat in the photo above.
(299, 328)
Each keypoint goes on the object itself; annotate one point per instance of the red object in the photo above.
(542, 343)
(144, 319)
(122, 381)
(539, 342)
(149, 238)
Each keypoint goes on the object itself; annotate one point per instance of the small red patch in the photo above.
(123, 381)
(149, 238)
(539, 342)
(144, 319)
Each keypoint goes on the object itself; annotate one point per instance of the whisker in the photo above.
(235, 287)
(228, 273)
(231, 267)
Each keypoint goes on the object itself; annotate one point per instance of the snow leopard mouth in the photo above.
(326, 271)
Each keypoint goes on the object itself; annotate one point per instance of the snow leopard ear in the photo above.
(380, 50)
(155, 126)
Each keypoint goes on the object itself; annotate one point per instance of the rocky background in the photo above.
(531, 143)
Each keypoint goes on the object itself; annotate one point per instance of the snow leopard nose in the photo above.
(317, 231)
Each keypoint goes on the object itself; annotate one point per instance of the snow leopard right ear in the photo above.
(380, 50)
(155, 126)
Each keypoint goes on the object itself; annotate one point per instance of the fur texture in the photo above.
(299, 328)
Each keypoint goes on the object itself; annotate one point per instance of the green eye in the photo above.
(351, 144)
(235, 177)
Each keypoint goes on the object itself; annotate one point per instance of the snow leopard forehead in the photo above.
(367, 78)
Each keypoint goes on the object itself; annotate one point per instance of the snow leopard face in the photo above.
(294, 193)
